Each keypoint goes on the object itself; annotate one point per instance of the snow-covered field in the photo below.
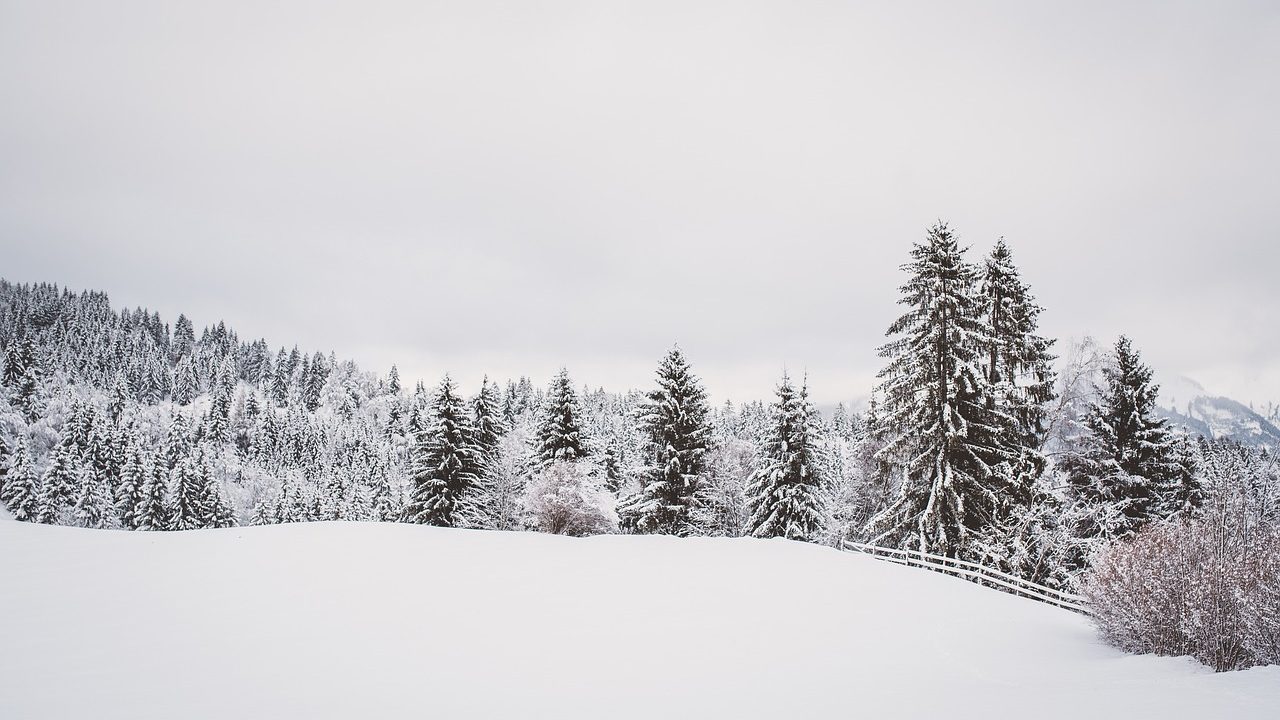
(367, 621)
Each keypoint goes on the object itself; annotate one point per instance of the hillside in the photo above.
(1220, 417)
(332, 620)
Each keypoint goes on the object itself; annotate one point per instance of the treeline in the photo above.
(978, 443)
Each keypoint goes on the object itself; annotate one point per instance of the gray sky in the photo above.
(505, 187)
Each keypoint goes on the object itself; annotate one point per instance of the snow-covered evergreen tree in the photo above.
(218, 510)
(94, 507)
(560, 437)
(151, 512)
(184, 337)
(21, 484)
(384, 506)
(185, 383)
(498, 502)
(177, 442)
(939, 414)
(784, 496)
(121, 398)
(1019, 365)
(189, 496)
(446, 461)
(128, 494)
(1025, 534)
(1129, 460)
(61, 483)
(487, 419)
(21, 375)
(677, 435)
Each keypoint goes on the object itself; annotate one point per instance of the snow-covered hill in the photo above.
(1220, 417)
(1185, 402)
(370, 621)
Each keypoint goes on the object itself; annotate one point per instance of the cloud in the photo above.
(508, 187)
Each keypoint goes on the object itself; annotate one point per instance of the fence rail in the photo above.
(974, 572)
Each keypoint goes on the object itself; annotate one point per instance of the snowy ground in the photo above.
(366, 621)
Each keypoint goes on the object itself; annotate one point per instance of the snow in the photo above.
(334, 620)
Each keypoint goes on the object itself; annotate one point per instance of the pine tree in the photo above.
(17, 357)
(280, 379)
(611, 466)
(189, 494)
(129, 493)
(61, 483)
(217, 423)
(488, 421)
(488, 428)
(151, 512)
(784, 494)
(184, 338)
(177, 443)
(21, 487)
(559, 435)
(22, 376)
(94, 507)
(393, 381)
(939, 413)
(1130, 462)
(185, 383)
(313, 381)
(1019, 366)
(121, 398)
(446, 462)
(677, 435)
(384, 503)
(218, 510)
(1018, 369)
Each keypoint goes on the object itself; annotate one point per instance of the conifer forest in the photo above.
(984, 441)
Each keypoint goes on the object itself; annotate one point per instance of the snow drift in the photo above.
(334, 620)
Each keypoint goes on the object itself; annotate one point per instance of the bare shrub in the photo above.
(568, 498)
(1208, 588)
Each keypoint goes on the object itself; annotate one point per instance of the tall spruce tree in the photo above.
(185, 383)
(94, 506)
(1130, 463)
(60, 484)
(559, 435)
(21, 375)
(784, 494)
(1019, 365)
(133, 477)
(445, 463)
(184, 338)
(479, 507)
(189, 494)
(488, 420)
(673, 419)
(151, 512)
(21, 494)
(939, 415)
(218, 510)
(122, 397)
(177, 442)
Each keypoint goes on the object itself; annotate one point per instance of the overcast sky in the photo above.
(507, 187)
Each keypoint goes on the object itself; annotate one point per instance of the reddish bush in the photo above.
(1208, 588)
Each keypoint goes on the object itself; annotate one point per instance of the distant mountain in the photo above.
(1222, 417)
